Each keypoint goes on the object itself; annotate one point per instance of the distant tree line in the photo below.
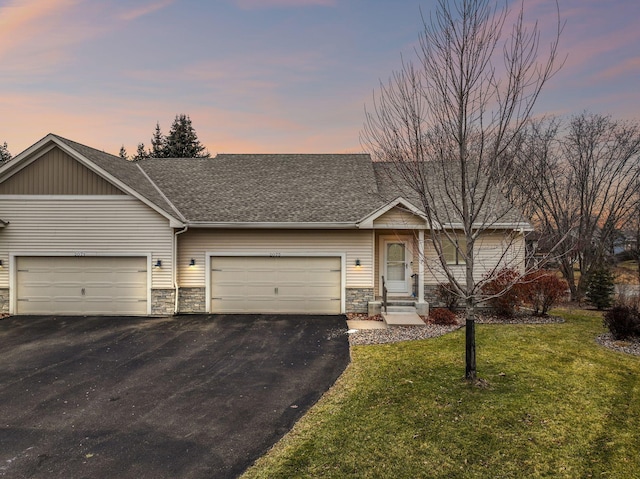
(181, 142)
(4, 153)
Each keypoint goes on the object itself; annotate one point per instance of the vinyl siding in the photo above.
(56, 173)
(398, 218)
(88, 226)
(492, 249)
(196, 243)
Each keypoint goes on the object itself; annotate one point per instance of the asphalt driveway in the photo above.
(186, 397)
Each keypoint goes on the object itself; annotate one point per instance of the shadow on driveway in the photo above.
(183, 397)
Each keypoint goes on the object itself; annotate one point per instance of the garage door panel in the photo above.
(276, 285)
(82, 285)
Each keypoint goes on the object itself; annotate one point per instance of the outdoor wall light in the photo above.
(158, 264)
(358, 263)
(192, 262)
(1, 263)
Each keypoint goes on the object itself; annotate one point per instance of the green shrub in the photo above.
(442, 316)
(600, 289)
(447, 295)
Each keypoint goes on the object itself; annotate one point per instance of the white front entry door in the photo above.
(396, 267)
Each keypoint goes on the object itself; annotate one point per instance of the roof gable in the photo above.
(124, 175)
(56, 173)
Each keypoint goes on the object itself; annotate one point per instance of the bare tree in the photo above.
(447, 126)
(581, 182)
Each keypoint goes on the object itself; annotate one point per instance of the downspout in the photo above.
(175, 266)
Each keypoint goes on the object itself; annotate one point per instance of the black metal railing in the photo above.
(414, 278)
(384, 295)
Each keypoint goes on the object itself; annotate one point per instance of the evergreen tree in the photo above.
(141, 153)
(123, 153)
(601, 288)
(4, 153)
(182, 140)
(158, 144)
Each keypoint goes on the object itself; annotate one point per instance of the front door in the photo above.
(396, 267)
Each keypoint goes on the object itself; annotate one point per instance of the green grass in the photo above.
(555, 405)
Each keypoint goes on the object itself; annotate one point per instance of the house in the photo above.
(85, 232)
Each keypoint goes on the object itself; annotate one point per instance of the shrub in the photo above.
(622, 321)
(542, 289)
(600, 289)
(502, 291)
(442, 316)
(447, 295)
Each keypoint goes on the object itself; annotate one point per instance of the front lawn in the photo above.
(555, 404)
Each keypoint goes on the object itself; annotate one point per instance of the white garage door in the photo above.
(275, 285)
(84, 285)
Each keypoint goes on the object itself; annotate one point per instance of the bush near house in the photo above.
(442, 316)
(542, 290)
(503, 291)
(447, 295)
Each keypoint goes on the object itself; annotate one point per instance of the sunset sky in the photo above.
(259, 76)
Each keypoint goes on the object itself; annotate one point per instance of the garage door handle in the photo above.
(275, 290)
(82, 291)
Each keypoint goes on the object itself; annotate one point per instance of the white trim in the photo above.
(382, 260)
(367, 221)
(421, 259)
(13, 273)
(68, 197)
(269, 254)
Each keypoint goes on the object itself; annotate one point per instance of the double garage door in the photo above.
(309, 285)
(83, 285)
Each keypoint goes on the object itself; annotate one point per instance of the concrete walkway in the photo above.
(365, 324)
(402, 319)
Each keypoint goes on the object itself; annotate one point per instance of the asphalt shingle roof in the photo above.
(268, 188)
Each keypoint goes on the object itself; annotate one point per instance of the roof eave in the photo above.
(271, 225)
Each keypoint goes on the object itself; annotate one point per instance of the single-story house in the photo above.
(86, 232)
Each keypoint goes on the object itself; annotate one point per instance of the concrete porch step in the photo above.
(393, 308)
(402, 319)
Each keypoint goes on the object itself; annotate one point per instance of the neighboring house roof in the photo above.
(270, 188)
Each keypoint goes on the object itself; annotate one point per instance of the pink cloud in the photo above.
(145, 10)
(261, 4)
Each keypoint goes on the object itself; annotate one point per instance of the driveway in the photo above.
(185, 397)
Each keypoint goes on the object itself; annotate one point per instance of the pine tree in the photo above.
(141, 153)
(182, 140)
(4, 153)
(601, 288)
(123, 153)
(158, 144)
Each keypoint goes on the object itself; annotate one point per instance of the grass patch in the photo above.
(555, 404)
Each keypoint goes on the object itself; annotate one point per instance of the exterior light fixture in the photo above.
(1, 263)
(358, 263)
(158, 264)
(192, 262)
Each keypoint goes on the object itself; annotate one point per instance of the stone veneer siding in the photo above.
(4, 300)
(357, 299)
(192, 300)
(162, 302)
(431, 297)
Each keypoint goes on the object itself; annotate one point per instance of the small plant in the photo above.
(442, 316)
(623, 321)
(601, 288)
(502, 291)
(542, 289)
(447, 295)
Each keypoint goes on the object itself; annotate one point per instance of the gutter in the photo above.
(175, 268)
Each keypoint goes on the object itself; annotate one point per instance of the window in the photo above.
(453, 255)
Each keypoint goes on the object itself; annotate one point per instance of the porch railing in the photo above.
(384, 295)
(414, 278)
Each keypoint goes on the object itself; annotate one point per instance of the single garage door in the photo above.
(83, 285)
(309, 285)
